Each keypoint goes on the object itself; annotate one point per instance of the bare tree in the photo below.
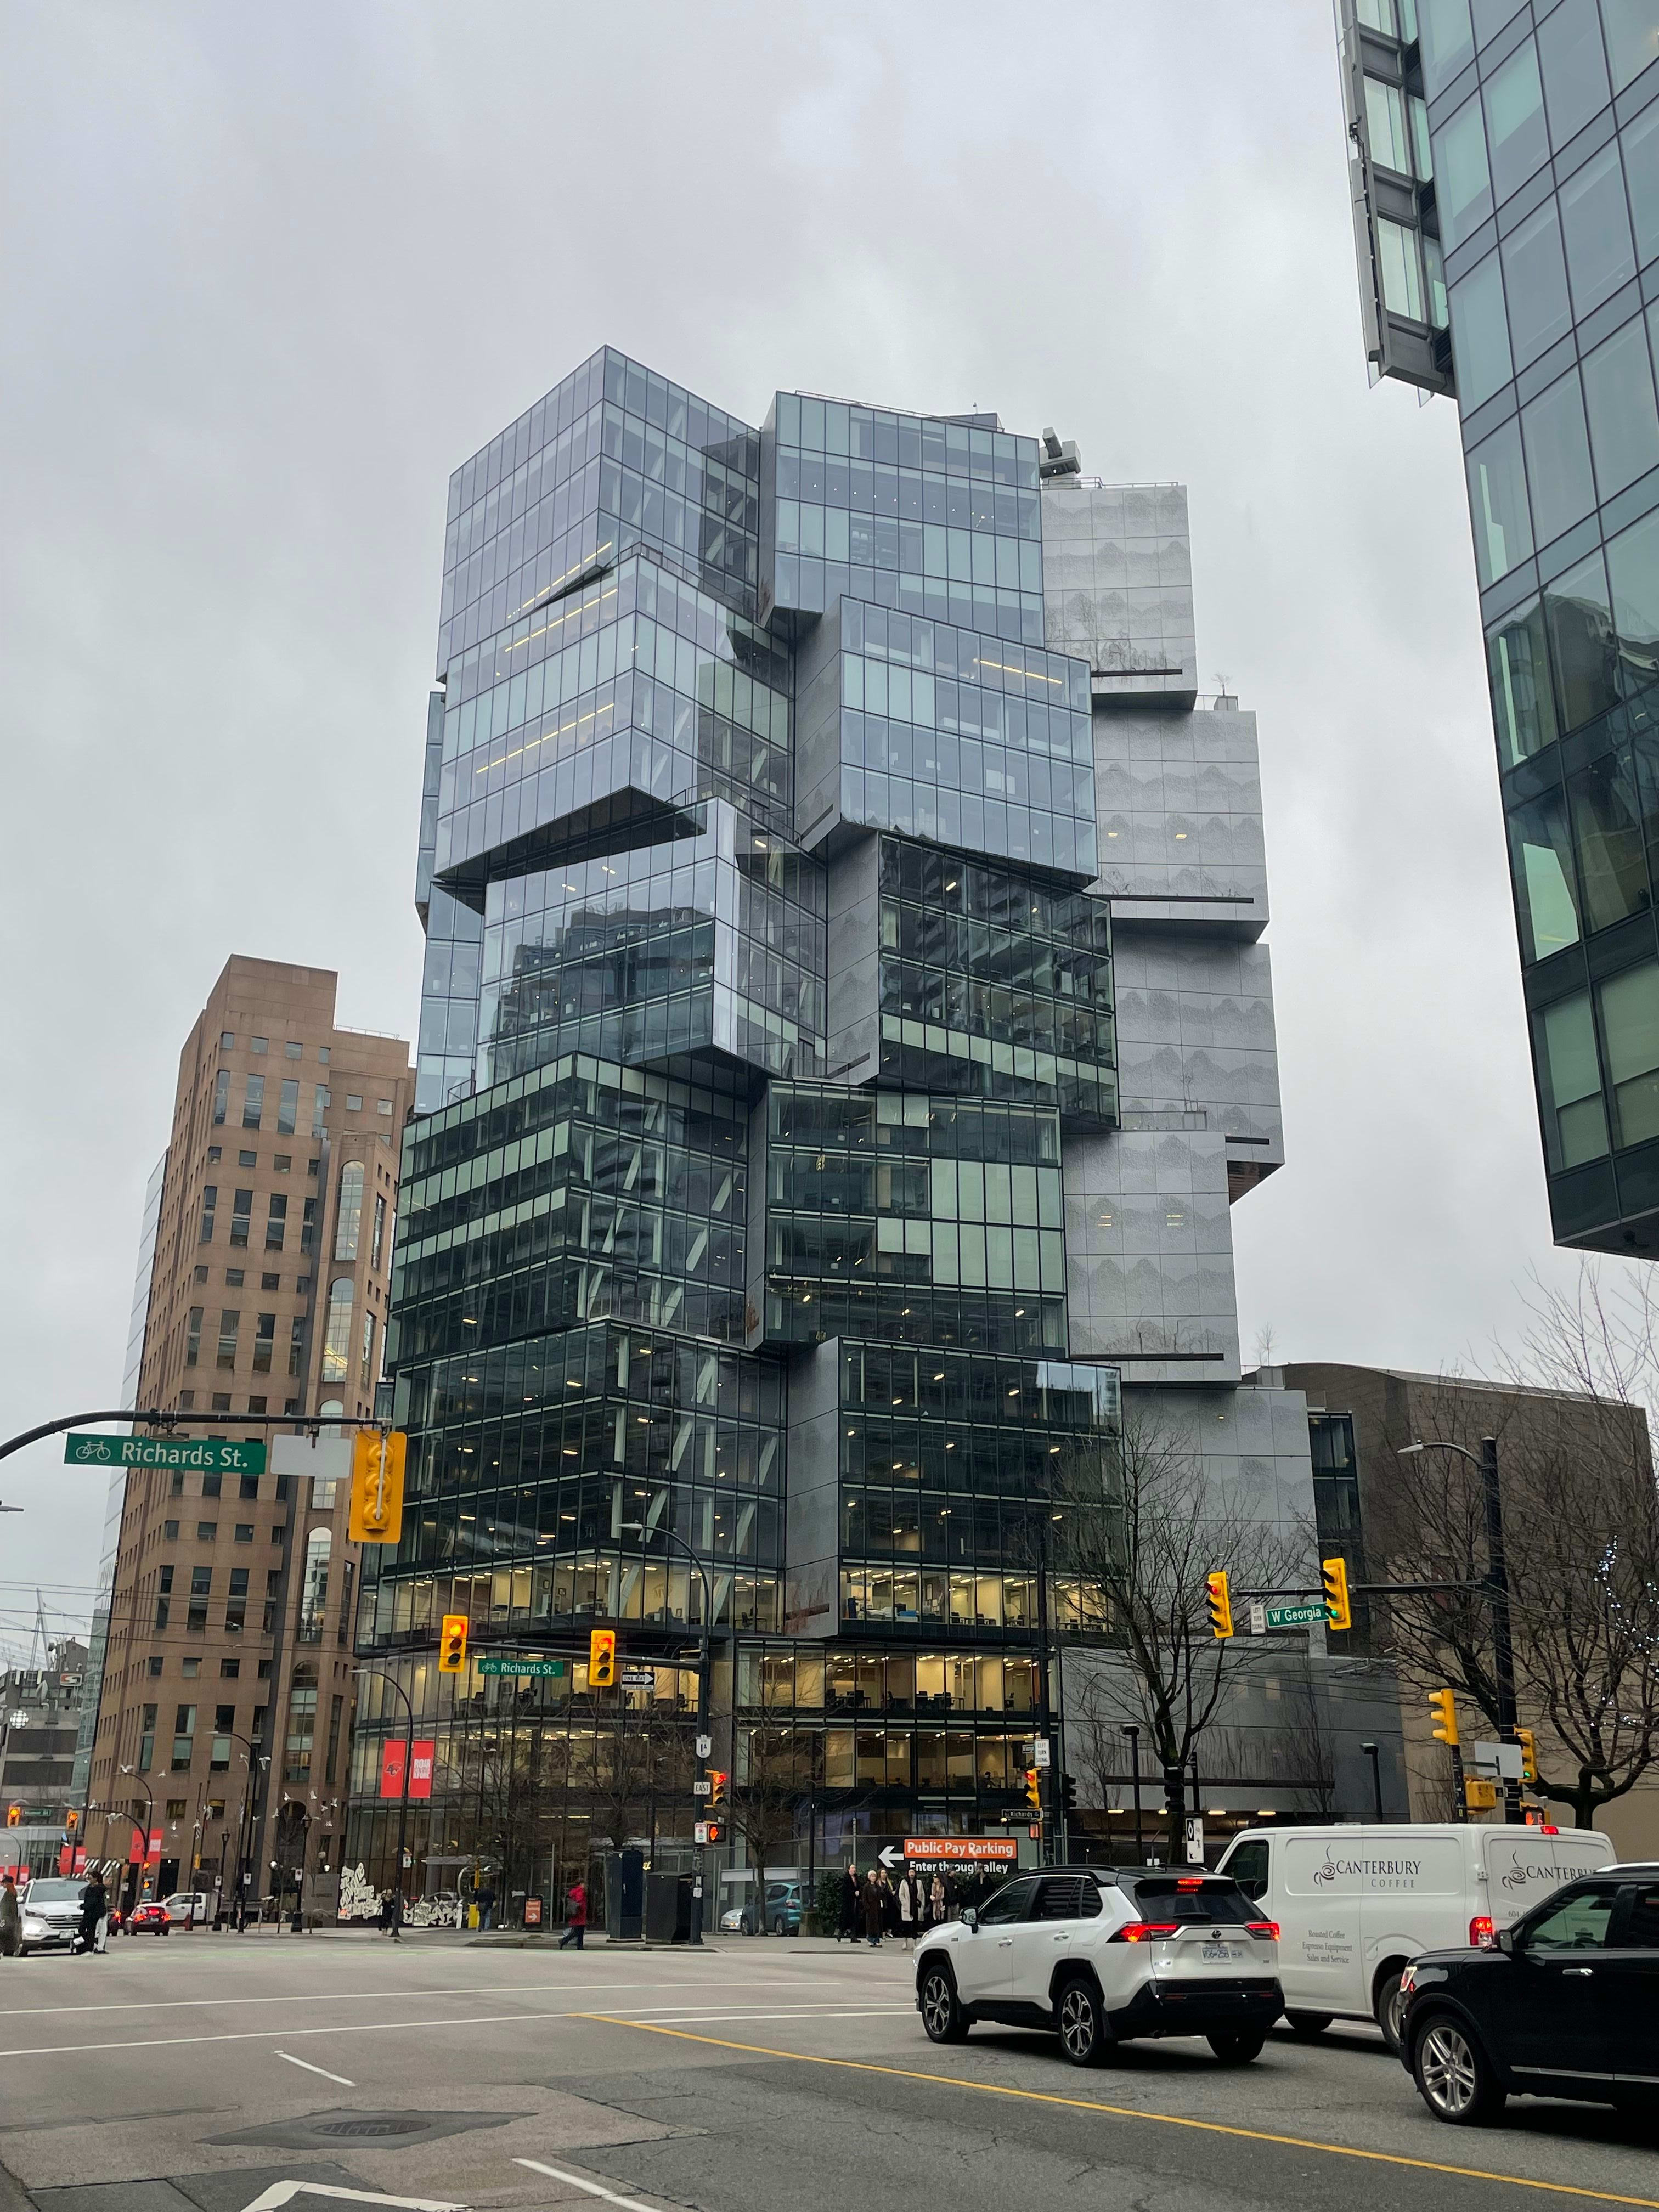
(1139, 1531)
(1580, 1518)
(779, 1767)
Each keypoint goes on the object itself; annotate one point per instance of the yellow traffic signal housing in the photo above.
(452, 1643)
(377, 1486)
(1528, 1754)
(718, 1778)
(71, 1821)
(1034, 1785)
(1220, 1604)
(13, 1816)
(1338, 1614)
(1480, 1797)
(601, 1658)
(1443, 1706)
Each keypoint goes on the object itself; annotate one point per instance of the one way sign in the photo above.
(891, 1856)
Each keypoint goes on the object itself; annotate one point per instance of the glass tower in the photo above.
(1505, 164)
(844, 1029)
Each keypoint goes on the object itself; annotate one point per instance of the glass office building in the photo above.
(773, 1240)
(1504, 166)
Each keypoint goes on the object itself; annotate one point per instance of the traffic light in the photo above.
(1034, 1785)
(718, 1778)
(1528, 1754)
(1069, 1792)
(377, 1486)
(601, 1658)
(13, 1816)
(452, 1643)
(1220, 1605)
(71, 1821)
(1443, 1706)
(1338, 1614)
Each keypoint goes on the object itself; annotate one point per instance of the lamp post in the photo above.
(149, 1805)
(1133, 1735)
(1496, 1584)
(672, 1536)
(253, 1759)
(1373, 1753)
(402, 1801)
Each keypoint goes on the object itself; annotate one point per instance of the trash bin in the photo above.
(668, 1908)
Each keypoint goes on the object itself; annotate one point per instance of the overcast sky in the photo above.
(271, 273)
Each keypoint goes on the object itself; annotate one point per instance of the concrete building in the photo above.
(222, 1625)
(1367, 1500)
(846, 1027)
(39, 1722)
(1504, 166)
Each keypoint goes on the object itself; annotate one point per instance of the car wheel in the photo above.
(942, 2014)
(1240, 2048)
(778, 1926)
(1305, 2026)
(1390, 2002)
(1454, 2074)
(1085, 2037)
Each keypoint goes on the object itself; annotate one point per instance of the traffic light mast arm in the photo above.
(1370, 1590)
(160, 1417)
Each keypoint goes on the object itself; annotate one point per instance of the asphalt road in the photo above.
(210, 2072)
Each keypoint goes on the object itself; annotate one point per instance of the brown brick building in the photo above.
(227, 1690)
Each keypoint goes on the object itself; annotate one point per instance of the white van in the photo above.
(1355, 1905)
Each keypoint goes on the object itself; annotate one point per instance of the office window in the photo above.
(383, 1108)
(276, 1221)
(220, 1402)
(235, 1277)
(1402, 270)
(1632, 32)
(242, 1209)
(1535, 279)
(349, 1219)
(230, 1321)
(247, 1485)
(1447, 41)
(184, 1735)
(229, 1669)
(1633, 566)
(1540, 852)
(301, 1727)
(190, 1669)
(212, 1486)
(186, 1404)
(1575, 68)
(1641, 147)
(1557, 459)
(271, 1282)
(265, 1338)
(1624, 421)
(1597, 227)
(214, 1152)
(1481, 334)
(308, 1224)
(201, 1585)
(367, 1369)
(1497, 501)
(1582, 647)
(380, 1230)
(1385, 126)
(1462, 181)
(293, 1050)
(206, 1531)
(153, 1664)
(146, 1741)
(220, 1097)
(1607, 823)
(1516, 129)
(245, 1532)
(1630, 1026)
(337, 1338)
(209, 1203)
(353, 1105)
(336, 1713)
(283, 1162)
(253, 1102)
(236, 1604)
(247, 1159)
(169, 1530)
(313, 1602)
(193, 1337)
(297, 1341)
(1570, 1083)
(227, 1040)
(288, 1107)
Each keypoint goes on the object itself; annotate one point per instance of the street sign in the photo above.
(1499, 1762)
(1295, 1616)
(533, 1669)
(210, 1454)
(705, 1746)
(961, 1850)
(703, 1787)
(700, 1831)
(638, 1677)
(1041, 1751)
(1258, 1618)
(1195, 1843)
(891, 1855)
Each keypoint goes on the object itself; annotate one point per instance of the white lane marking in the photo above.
(258, 2034)
(284, 2192)
(794, 2012)
(362, 1996)
(593, 2189)
(310, 2068)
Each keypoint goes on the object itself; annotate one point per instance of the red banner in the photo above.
(425, 1751)
(135, 1842)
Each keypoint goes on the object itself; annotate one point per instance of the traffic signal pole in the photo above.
(403, 1800)
(1503, 1649)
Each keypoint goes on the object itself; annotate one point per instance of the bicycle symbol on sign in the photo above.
(96, 1450)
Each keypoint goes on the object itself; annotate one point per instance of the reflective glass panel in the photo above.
(1630, 1030)
(1570, 1083)
(1597, 229)
(1624, 421)
(1463, 183)
(1498, 502)
(1480, 337)
(1575, 68)
(1557, 459)
(1515, 121)
(1540, 855)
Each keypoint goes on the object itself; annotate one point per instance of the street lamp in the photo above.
(149, 1802)
(1497, 1587)
(1133, 1735)
(1374, 1754)
(253, 1759)
(672, 1536)
(403, 1802)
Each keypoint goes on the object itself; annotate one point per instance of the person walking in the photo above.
(11, 1934)
(575, 1917)
(850, 1909)
(487, 1905)
(94, 1917)
(872, 1905)
(938, 1903)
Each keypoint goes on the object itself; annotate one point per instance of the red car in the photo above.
(150, 1920)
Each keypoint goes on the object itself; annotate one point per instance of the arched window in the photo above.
(314, 1601)
(337, 1340)
(349, 1221)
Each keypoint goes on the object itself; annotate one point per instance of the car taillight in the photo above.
(1145, 1931)
(1481, 1937)
(1266, 1930)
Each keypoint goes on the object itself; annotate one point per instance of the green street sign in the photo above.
(539, 1670)
(1295, 1616)
(210, 1454)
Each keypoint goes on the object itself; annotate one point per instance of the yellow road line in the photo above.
(1132, 2112)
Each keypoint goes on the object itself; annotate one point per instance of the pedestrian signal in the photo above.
(377, 1486)
(1338, 1614)
(1220, 1605)
(452, 1643)
(718, 1778)
(1034, 1785)
(601, 1658)
(1444, 1707)
(71, 1821)
(1528, 1754)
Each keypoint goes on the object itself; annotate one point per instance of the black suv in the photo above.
(1565, 2004)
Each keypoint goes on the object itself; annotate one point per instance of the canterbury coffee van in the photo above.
(1355, 1905)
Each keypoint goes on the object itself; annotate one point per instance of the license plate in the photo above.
(1219, 1951)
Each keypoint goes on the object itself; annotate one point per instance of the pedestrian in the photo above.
(10, 1921)
(890, 1913)
(910, 1907)
(848, 1925)
(872, 1904)
(938, 1903)
(575, 1917)
(94, 1917)
(487, 1905)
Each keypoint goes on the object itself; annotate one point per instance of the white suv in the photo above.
(1099, 1955)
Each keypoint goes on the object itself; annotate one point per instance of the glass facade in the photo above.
(1542, 220)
